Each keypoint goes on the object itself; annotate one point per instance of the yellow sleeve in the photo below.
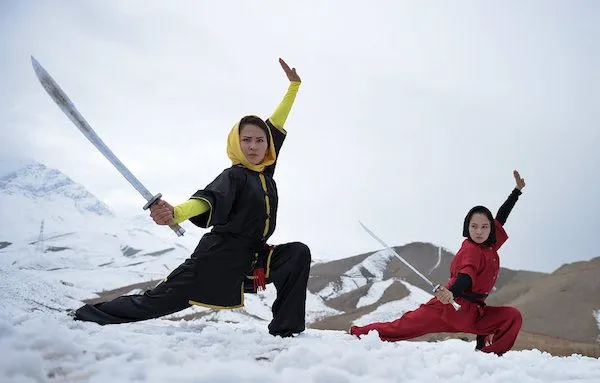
(189, 209)
(281, 113)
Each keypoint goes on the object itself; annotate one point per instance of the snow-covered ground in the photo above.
(40, 343)
(46, 346)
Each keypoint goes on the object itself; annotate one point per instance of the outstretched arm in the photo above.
(510, 202)
(280, 115)
(163, 213)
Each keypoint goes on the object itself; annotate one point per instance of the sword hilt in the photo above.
(175, 227)
(454, 304)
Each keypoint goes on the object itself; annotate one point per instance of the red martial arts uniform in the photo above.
(481, 264)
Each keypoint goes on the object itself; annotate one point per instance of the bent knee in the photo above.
(515, 316)
(301, 251)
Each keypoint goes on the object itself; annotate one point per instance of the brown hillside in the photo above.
(343, 321)
(560, 304)
(321, 274)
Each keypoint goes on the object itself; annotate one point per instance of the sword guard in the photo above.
(151, 201)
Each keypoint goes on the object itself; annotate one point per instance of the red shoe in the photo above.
(353, 330)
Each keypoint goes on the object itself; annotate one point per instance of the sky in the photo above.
(409, 113)
(41, 343)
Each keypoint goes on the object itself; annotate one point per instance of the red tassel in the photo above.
(259, 279)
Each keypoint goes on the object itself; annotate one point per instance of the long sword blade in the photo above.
(433, 287)
(397, 255)
(68, 108)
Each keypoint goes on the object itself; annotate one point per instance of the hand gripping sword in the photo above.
(434, 287)
(66, 105)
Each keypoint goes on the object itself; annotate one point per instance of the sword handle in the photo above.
(454, 304)
(176, 228)
(180, 230)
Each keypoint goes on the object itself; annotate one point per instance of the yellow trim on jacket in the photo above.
(195, 303)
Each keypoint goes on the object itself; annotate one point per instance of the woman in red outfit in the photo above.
(473, 274)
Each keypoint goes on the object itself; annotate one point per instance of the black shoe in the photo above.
(283, 334)
(480, 342)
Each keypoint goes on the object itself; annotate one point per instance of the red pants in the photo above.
(503, 323)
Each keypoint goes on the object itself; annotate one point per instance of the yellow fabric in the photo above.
(189, 209)
(283, 110)
(234, 151)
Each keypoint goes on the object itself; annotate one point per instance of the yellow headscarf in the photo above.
(234, 151)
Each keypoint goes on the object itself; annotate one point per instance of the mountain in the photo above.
(38, 183)
(571, 292)
(50, 222)
(32, 193)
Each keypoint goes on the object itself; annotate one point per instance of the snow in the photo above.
(39, 342)
(371, 269)
(202, 351)
(375, 293)
(390, 311)
(597, 316)
(439, 260)
(40, 183)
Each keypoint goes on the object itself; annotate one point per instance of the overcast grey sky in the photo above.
(408, 115)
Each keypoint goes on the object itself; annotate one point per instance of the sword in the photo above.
(434, 287)
(66, 105)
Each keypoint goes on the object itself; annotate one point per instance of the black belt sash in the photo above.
(473, 297)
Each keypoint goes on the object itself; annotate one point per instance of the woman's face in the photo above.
(479, 228)
(253, 142)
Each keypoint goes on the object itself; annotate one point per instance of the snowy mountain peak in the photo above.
(37, 182)
(370, 270)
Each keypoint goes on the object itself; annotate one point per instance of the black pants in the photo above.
(289, 270)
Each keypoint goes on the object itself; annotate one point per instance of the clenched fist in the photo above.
(162, 213)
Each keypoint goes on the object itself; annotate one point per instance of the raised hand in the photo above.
(520, 181)
(289, 72)
(162, 213)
